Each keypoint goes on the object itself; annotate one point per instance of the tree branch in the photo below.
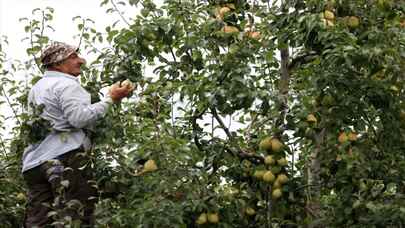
(239, 152)
(196, 127)
(283, 87)
(35, 58)
(4, 148)
(221, 123)
(122, 16)
(302, 59)
(11, 106)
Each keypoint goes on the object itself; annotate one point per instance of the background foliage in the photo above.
(329, 89)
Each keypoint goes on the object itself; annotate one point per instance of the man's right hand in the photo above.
(118, 92)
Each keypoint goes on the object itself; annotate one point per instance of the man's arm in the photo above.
(77, 110)
(81, 114)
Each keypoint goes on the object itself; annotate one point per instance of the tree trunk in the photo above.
(314, 167)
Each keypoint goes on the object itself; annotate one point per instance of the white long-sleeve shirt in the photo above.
(68, 108)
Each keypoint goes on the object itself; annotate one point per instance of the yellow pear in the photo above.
(330, 23)
(394, 89)
(276, 145)
(269, 160)
(343, 137)
(352, 136)
(224, 10)
(276, 184)
(231, 6)
(202, 219)
(128, 84)
(150, 166)
(329, 15)
(213, 217)
(258, 174)
(282, 162)
(250, 211)
(277, 193)
(265, 144)
(21, 197)
(230, 29)
(353, 22)
(268, 177)
(282, 178)
(311, 118)
(275, 169)
(254, 35)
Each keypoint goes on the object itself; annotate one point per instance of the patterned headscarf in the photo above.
(56, 52)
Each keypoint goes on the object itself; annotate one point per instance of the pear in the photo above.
(265, 144)
(276, 184)
(150, 166)
(258, 174)
(277, 193)
(21, 197)
(353, 22)
(311, 118)
(224, 10)
(352, 136)
(250, 211)
(231, 6)
(343, 137)
(282, 162)
(202, 219)
(282, 178)
(269, 160)
(254, 35)
(128, 84)
(230, 29)
(268, 177)
(276, 145)
(329, 15)
(330, 23)
(213, 217)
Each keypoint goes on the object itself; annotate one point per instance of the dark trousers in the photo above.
(61, 190)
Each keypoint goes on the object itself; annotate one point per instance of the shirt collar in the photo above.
(50, 73)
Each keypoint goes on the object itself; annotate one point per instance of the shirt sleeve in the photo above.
(76, 106)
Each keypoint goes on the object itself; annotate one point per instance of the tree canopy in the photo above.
(246, 114)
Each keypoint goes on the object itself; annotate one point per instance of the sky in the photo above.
(12, 10)
(65, 29)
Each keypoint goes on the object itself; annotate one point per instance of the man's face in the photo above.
(71, 65)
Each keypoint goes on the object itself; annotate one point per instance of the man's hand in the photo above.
(118, 91)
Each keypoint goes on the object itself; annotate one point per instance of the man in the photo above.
(56, 168)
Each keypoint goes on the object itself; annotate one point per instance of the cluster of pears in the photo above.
(329, 20)
(275, 161)
(344, 137)
(223, 10)
(211, 217)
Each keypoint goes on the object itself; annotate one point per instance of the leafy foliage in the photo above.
(198, 67)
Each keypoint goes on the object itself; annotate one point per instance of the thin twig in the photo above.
(9, 103)
(81, 35)
(4, 148)
(122, 16)
(219, 120)
(32, 46)
(196, 127)
(240, 153)
(43, 26)
(173, 55)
